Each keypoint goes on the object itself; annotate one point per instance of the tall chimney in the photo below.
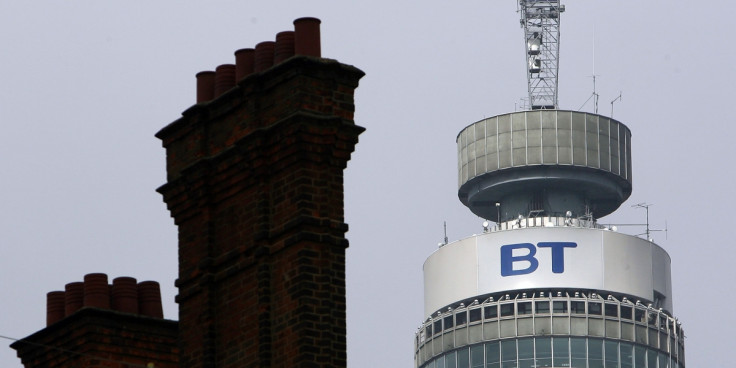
(254, 184)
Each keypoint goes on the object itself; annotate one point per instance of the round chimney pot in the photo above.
(264, 55)
(74, 297)
(224, 78)
(284, 48)
(96, 291)
(244, 63)
(149, 299)
(205, 86)
(54, 307)
(125, 295)
(307, 37)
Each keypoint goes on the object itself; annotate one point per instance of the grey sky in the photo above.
(84, 85)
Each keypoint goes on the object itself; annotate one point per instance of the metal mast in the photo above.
(541, 22)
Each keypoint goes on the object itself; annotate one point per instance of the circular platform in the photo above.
(544, 162)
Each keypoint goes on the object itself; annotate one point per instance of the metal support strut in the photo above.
(541, 23)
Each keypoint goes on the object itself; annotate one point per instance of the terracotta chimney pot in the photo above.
(307, 37)
(284, 48)
(224, 78)
(96, 291)
(205, 86)
(74, 297)
(125, 295)
(264, 55)
(149, 299)
(54, 307)
(244, 63)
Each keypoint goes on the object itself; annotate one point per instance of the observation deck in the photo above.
(545, 163)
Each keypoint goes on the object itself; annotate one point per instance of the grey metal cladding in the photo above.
(544, 137)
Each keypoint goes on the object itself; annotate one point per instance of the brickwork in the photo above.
(97, 338)
(255, 186)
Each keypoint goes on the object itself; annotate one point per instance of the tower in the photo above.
(548, 286)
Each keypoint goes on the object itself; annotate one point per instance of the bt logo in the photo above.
(508, 258)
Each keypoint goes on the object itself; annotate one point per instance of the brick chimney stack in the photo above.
(96, 324)
(255, 186)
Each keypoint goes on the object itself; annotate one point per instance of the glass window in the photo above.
(508, 354)
(431, 364)
(626, 312)
(450, 361)
(579, 363)
(507, 310)
(577, 352)
(663, 361)
(639, 315)
(526, 348)
(651, 358)
(577, 347)
(626, 355)
(611, 310)
(577, 307)
(476, 356)
(594, 308)
(595, 353)
(640, 356)
(438, 326)
(523, 308)
(653, 319)
(474, 314)
(490, 312)
(559, 307)
(542, 307)
(561, 352)
(526, 353)
(493, 353)
(448, 322)
(463, 359)
(543, 349)
(461, 318)
(526, 363)
(441, 362)
(611, 354)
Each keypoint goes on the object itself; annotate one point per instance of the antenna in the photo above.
(646, 207)
(594, 75)
(614, 100)
(594, 95)
(445, 225)
(541, 22)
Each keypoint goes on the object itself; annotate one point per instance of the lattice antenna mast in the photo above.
(541, 23)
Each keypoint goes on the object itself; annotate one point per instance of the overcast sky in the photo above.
(84, 85)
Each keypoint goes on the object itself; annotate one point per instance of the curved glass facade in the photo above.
(574, 352)
(551, 329)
